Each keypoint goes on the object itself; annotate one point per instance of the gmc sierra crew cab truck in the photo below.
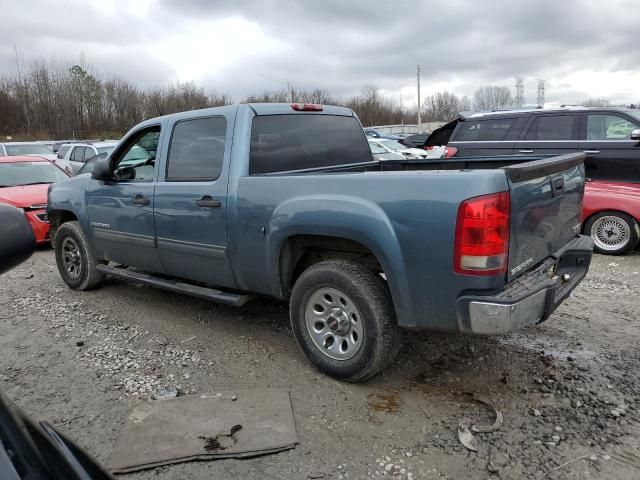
(286, 200)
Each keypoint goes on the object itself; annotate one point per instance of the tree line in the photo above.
(49, 100)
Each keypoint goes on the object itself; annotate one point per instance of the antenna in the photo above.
(519, 100)
(541, 92)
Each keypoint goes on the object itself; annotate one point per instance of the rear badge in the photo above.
(522, 266)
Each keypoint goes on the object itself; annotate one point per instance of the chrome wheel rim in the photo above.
(334, 323)
(610, 233)
(71, 258)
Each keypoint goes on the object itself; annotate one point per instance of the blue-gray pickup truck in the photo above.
(285, 200)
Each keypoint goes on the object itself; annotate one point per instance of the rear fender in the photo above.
(346, 217)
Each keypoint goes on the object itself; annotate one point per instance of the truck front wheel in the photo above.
(343, 319)
(76, 263)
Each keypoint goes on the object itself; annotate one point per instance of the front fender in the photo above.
(347, 217)
(69, 196)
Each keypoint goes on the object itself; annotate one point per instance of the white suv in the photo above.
(72, 156)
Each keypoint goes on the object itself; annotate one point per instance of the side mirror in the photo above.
(17, 241)
(635, 134)
(101, 170)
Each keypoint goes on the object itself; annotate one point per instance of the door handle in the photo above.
(525, 151)
(592, 151)
(208, 201)
(140, 200)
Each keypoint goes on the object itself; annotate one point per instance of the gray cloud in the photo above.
(343, 45)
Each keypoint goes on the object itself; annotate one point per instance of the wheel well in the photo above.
(58, 217)
(299, 252)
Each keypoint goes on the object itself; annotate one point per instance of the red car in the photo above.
(23, 183)
(611, 214)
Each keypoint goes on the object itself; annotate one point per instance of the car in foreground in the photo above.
(610, 137)
(300, 210)
(380, 153)
(611, 215)
(73, 156)
(392, 146)
(23, 183)
(32, 149)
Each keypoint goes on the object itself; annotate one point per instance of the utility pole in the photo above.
(418, 72)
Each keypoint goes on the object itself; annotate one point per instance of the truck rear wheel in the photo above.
(343, 319)
(76, 263)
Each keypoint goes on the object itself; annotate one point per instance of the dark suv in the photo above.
(609, 136)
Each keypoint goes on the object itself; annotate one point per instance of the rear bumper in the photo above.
(532, 297)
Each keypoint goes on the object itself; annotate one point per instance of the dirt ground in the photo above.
(569, 389)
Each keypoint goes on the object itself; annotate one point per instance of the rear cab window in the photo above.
(281, 143)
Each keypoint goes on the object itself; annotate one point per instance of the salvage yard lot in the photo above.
(569, 390)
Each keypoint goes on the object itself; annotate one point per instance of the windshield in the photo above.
(27, 173)
(393, 145)
(634, 114)
(106, 149)
(375, 148)
(27, 149)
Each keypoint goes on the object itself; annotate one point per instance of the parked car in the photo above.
(609, 136)
(72, 158)
(57, 145)
(392, 146)
(23, 183)
(415, 141)
(36, 149)
(381, 153)
(91, 162)
(373, 133)
(294, 211)
(611, 214)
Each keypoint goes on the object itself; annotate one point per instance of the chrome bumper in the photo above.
(532, 297)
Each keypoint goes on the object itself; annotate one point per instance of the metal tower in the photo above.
(540, 92)
(519, 99)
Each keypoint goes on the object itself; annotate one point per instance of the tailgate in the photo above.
(546, 207)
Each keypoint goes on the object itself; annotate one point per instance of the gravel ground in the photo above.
(569, 390)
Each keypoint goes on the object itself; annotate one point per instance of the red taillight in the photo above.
(450, 151)
(306, 107)
(430, 147)
(482, 235)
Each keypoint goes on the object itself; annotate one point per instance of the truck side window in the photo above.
(484, 130)
(136, 160)
(552, 127)
(608, 127)
(197, 149)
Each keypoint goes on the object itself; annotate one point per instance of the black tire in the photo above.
(370, 296)
(83, 275)
(618, 223)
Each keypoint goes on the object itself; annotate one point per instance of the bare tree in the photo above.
(492, 97)
(596, 102)
(444, 106)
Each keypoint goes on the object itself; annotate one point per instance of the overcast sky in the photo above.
(582, 48)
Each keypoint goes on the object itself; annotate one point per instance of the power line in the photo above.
(399, 88)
